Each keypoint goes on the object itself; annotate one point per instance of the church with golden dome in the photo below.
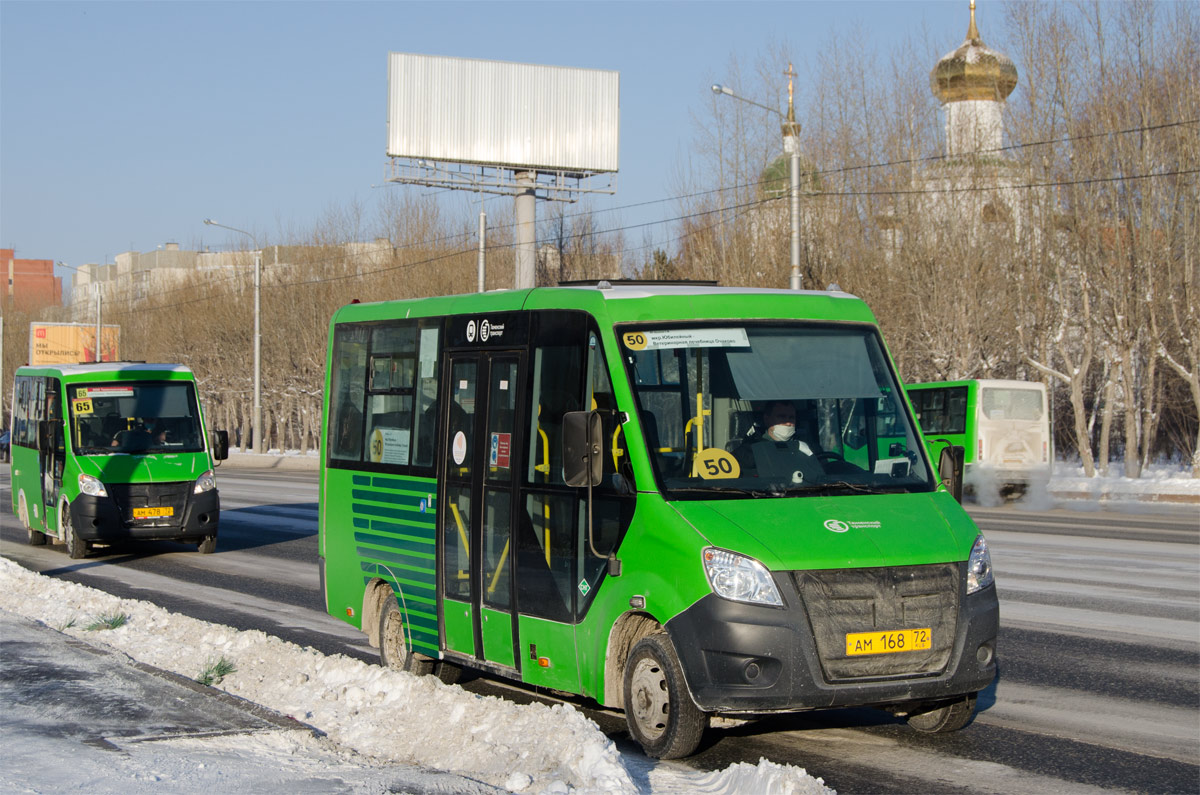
(972, 82)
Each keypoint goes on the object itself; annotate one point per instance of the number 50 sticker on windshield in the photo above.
(686, 338)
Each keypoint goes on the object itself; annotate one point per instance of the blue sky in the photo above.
(124, 124)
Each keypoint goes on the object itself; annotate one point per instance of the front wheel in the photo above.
(947, 716)
(394, 649)
(207, 545)
(77, 548)
(658, 706)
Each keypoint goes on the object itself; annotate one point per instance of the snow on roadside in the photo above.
(380, 713)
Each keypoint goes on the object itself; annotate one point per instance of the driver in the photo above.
(772, 450)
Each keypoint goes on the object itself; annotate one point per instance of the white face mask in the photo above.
(781, 433)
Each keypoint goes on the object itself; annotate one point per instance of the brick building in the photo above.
(29, 284)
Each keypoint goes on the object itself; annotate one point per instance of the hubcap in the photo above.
(651, 700)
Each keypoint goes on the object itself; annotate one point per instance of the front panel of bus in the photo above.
(128, 456)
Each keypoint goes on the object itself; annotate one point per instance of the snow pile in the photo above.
(374, 711)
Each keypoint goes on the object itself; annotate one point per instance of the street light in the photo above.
(257, 432)
(791, 145)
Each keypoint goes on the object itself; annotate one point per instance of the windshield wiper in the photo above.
(834, 486)
(724, 490)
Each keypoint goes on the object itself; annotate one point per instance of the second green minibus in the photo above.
(113, 451)
(680, 501)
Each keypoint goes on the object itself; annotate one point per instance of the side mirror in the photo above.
(49, 435)
(583, 463)
(950, 469)
(220, 445)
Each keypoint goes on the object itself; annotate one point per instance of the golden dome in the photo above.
(973, 71)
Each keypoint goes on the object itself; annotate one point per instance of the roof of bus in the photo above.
(120, 370)
(630, 302)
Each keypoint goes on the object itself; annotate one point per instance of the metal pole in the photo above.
(791, 145)
(258, 432)
(482, 239)
(794, 205)
(99, 328)
(525, 207)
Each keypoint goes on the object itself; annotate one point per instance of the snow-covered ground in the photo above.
(375, 721)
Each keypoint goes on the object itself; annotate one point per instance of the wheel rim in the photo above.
(651, 698)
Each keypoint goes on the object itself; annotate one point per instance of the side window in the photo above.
(390, 394)
(347, 389)
(384, 393)
(559, 567)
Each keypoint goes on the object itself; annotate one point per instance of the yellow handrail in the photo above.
(696, 426)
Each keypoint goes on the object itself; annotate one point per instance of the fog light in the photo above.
(984, 654)
(752, 671)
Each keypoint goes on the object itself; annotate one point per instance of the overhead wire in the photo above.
(738, 209)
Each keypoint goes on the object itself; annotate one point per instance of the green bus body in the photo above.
(449, 534)
(1002, 425)
(87, 469)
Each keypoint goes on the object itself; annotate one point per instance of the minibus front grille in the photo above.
(150, 495)
(845, 602)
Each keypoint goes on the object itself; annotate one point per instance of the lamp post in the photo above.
(791, 145)
(257, 432)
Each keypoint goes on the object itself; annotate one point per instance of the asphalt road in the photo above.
(1099, 647)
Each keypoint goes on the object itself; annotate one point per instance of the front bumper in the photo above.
(107, 519)
(739, 657)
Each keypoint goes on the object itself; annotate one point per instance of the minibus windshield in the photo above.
(756, 409)
(135, 418)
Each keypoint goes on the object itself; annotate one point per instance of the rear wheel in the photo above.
(946, 716)
(77, 548)
(207, 545)
(658, 706)
(394, 649)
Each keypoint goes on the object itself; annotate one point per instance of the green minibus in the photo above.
(676, 500)
(113, 451)
(1003, 427)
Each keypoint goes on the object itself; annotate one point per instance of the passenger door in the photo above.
(476, 511)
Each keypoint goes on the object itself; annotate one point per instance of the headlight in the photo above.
(206, 482)
(91, 486)
(979, 567)
(737, 577)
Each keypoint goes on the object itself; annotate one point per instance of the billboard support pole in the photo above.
(525, 207)
(482, 243)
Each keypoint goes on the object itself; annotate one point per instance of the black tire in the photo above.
(77, 548)
(207, 545)
(946, 716)
(394, 651)
(658, 706)
(36, 537)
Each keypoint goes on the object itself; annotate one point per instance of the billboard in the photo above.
(71, 343)
(520, 116)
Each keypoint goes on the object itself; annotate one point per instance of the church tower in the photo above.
(972, 83)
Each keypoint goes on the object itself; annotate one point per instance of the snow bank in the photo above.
(377, 712)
